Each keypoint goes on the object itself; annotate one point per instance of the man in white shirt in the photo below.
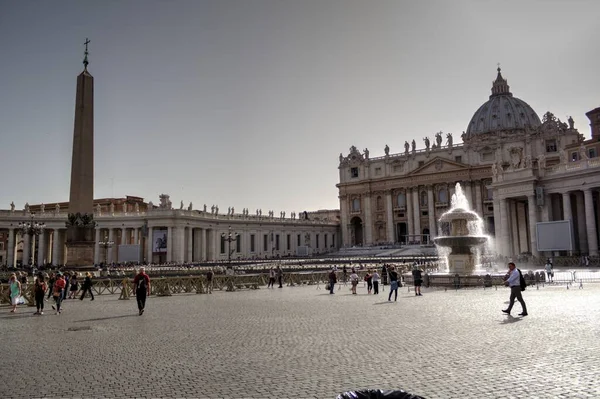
(514, 282)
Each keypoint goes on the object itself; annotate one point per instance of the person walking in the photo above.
(40, 288)
(393, 276)
(280, 276)
(271, 278)
(514, 282)
(376, 278)
(51, 281)
(417, 280)
(209, 280)
(74, 286)
(332, 280)
(87, 286)
(369, 280)
(354, 281)
(549, 271)
(15, 292)
(141, 285)
(58, 292)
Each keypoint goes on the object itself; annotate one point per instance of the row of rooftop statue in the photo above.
(166, 204)
(413, 146)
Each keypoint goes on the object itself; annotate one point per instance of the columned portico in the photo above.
(389, 217)
(97, 247)
(190, 245)
(417, 216)
(149, 249)
(26, 249)
(431, 213)
(368, 225)
(10, 252)
(41, 255)
(504, 230)
(169, 244)
(533, 219)
(56, 261)
(592, 235)
(111, 238)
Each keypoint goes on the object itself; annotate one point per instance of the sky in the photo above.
(248, 103)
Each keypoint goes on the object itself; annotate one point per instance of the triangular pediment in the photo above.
(439, 165)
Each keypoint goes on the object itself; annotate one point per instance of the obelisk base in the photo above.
(80, 255)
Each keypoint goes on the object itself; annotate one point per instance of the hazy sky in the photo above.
(248, 103)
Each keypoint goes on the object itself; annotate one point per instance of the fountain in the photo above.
(464, 235)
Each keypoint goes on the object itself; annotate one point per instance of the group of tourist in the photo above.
(59, 286)
(372, 278)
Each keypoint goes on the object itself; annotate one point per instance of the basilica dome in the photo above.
(502, 112)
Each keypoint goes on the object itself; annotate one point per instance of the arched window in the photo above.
(401, 200)
(443, 195)
(423, 198)
(356, 205)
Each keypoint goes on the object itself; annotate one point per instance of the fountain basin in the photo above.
(458, 243)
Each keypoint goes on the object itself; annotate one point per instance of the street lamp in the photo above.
(33, 229)
(229, 237)
(106, 245)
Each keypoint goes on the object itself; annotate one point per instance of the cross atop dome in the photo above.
(500, 85)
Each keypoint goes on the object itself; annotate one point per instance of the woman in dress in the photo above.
(15, 292)
(74, 286)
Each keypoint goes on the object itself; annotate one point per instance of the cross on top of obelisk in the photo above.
(85, 58)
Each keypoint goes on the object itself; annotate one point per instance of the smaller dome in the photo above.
(502, 111)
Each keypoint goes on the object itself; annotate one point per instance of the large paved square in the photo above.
(301, 342)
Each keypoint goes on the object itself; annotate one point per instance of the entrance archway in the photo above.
(402, 232)
(356, 231)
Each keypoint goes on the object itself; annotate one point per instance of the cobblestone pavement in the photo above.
(301, 342)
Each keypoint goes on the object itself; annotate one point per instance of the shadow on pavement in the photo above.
(510, 319)
(108, 318)
(383, 303)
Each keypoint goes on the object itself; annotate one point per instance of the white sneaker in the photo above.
(41, 313)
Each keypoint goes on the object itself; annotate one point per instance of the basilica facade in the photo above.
(516, 170)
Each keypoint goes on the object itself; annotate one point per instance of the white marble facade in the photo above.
(516, 170)
(192, 235)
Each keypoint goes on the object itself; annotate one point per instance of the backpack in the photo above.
(522, 281)
(142, 283)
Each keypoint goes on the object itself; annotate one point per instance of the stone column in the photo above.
(96, 247)
(524, 239)
(431, 213)
(56, 248)
(203, 253)
(344, 217)
(590, 226)
(26, 249)
(417, 215)
(136, 235)
(533, 219)
(111, 249)
(181, 241)
(169, 244)
(124, 236)
(514, 245)
(568, 211)
(409, 214)
(190, 245)
(504, 232)
(41, 248)
(10, 251)
(468, 193)
(368, 225)
(149, 244)
(390, 217)
(478, 198)
(546, 209)
(581, 224)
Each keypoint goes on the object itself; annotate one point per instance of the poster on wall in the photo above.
(159, 241)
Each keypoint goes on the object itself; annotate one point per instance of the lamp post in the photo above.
(229, 237)
(106, 245)
(33, 229)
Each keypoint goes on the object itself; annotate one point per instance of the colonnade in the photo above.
(185, 243)
(518, 218)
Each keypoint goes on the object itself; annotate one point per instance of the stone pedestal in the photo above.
(462, 264)
(80, 255)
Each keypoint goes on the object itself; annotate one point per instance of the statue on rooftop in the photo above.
(386, 150)
(427, 143)
(406, 147)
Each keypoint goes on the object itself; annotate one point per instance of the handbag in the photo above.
(20, 300)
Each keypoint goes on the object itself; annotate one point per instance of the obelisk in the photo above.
(81, 225)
